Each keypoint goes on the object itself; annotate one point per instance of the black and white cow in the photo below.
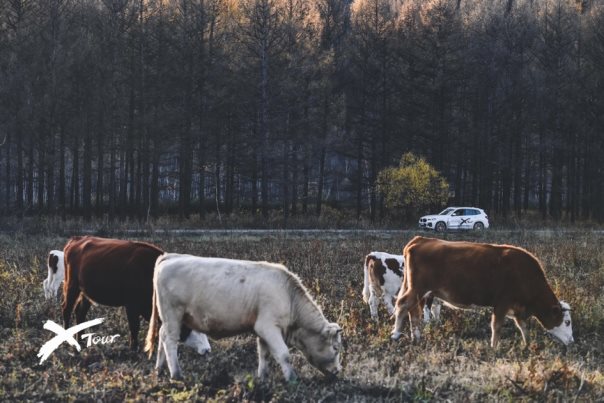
(56, 273)
(383, 276)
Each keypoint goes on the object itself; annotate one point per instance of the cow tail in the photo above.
(366, 280)
(153, 332)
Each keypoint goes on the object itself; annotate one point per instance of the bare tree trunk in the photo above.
(112, 169)
(154, 191)
(185, 158)
(87, 180)
(294, 201)
(555, 205)
(322, 155)
(141, 178)
(50, 172)
(230, 171)
(62, 173)
(306, 176)
(263, 126)
(99, 204)
(41, 170)
(75, 177)
(202, 173)
(255, 183)
(527, 175)
(145, 162)
(359, 184)
(20, 174)
(285, 183)
(7, 158)
(217, 187)
(372, 180)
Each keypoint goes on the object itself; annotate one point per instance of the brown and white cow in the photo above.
(56, 273)
(383, 276)
(116, 273)
(466, 274)
(224, 297)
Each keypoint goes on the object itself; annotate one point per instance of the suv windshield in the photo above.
(445, 211)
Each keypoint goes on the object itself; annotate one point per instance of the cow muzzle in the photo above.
(331, 375)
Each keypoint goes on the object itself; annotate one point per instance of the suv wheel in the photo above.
(440, 227)
(478, 226)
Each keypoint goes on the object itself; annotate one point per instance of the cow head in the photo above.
(564, 331)
(199, 342)
(321, 348)
(56, 273)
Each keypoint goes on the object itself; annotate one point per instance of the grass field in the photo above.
(453, 361)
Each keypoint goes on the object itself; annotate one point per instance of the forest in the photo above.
(139, 108)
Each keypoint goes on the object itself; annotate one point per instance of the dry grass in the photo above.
(453, 361)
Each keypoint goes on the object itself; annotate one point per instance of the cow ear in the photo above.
(565, 307)
(331, 330)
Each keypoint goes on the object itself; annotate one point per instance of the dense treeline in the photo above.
(128, 107)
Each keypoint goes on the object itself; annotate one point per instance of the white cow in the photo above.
(383, 276)
(224, 297)
(56, 273)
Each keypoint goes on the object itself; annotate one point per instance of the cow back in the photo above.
(112, 272)
(467, 273)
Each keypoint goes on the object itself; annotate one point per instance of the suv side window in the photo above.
(473, 212)
(459, 212)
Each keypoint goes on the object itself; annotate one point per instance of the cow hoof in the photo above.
(395, 336)
(176, 378)
(204, 351)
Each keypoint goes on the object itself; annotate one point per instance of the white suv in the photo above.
(456, 218)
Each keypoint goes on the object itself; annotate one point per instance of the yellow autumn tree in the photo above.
(413, 186)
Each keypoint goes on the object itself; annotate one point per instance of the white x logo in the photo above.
(63, 335)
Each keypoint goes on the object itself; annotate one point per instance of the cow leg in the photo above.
(46, 287)
(263, 353)
(81, 308)
(373, 305)
(132, 313)
(403, 305)
(427, 302)
(161, 354)
(168, 336)
(68, 304)
(271, 335)
(496, 322)
(436, 310)
(521, 325)
(414, 321)
(388, 302)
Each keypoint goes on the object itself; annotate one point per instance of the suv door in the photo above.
(455, 219)
(469, 218)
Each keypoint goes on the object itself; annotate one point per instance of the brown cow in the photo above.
(466, 274)
(115, 273)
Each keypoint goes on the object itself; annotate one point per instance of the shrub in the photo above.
(413, 186)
